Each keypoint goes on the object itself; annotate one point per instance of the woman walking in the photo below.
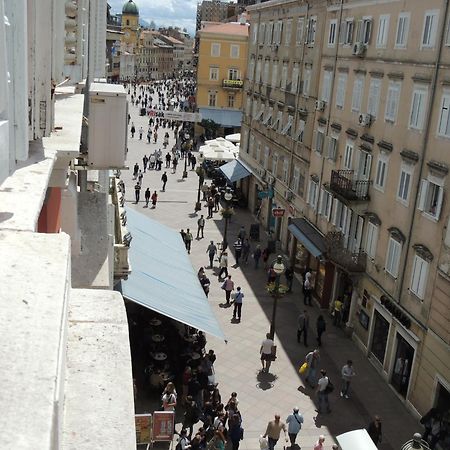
(223, 264)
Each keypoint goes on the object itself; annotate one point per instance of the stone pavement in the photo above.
(238, 365)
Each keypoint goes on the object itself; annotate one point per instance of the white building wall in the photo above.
(97, 39)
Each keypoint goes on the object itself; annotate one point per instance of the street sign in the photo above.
(278, 212)
(175, 115)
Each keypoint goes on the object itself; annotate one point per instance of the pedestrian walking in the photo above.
(216, 201)
(245, 250)
(266, 352)
(323, 389)
(210, 207)
(140, 176)
(289, 274)
(242, 233)
(235, 431)
(273, 431)
(168, 158)
(174, 165)
(141, 133)
(257, 255)
(228, 287)
(307, 289)
(147, 197)
(294, 422)
(169, 397)
(237, 250)
(265, 256)
(223, 264)
(312, 359)
(193, 162)
(320, 327)
(149, 135)
(183, 236)
(212, 251)
(238, 304)
(188, 240)
(154, 199)
(204, 281)
(302, 327)
(200, 227)
(337, 312)
(137, 192)
(183, 441)
(347, 373)
(133, 129)
(135, 171)
(164, 181)
(319, 444)
(374, 430)
(144, 162)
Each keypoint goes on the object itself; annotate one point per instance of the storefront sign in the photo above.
(175, 115)
(278, 212)
(143, 424)
(163, 425)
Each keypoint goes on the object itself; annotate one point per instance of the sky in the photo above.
(177, 13)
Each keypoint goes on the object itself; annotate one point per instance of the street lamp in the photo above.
(227, 212)
(185, 174)
(201, 178)
(279, 268)
(416, 443)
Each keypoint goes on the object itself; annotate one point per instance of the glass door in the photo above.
(402, 366)
(380, 336)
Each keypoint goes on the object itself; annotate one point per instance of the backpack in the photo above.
(330, 387)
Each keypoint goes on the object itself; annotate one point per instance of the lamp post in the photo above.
(201, 178)
(185, 174)
(416, 443)
(279, 268)
(226, 214)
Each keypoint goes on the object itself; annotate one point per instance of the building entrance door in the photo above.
(380, 336)
(402, 366)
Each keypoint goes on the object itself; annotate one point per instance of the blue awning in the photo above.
(309, 236)
(162, 278)
(235, 170)
(224, 117)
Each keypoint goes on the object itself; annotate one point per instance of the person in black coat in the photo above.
(320, 327)
(374, 430)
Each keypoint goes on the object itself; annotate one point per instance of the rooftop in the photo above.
(231, 28)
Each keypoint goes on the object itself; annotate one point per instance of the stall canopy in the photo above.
(218, 151)
(235, 170)
(162, 278)
(235, 138)
(308, 235)
(356, 440)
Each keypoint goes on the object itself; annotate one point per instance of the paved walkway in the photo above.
(238, 365)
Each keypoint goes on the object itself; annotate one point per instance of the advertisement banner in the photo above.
(174, 115)
(143, 424)
(163, 425)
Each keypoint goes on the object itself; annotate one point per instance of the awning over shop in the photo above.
(235, 170)
(308, 235)
(225, 118)
(162, 278)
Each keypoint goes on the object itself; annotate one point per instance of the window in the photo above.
(215, 49)
(288, 33)
(268, 119)
(374, 97)
(444, 118)
(348, 155)
(364, 30)
(258, 152)
(248, 105)
(295, 74)
(418, 105)
(430, 28)
(262, 33)
(277, 32)
(319, 141)
(277, 124)
(357, 94)
(371, 240)
(383, 31)
(275, 164)
(340, 91)
(364, 165)
(447, 35)
(338, 214)
(212, 98)
(213, 73)
(231, 100)
(251, 69)
(295, 179)
(300, 30)
(392, 101)
(269, 32)
(419, 277)
(266, 72)
(311, 30)
(284, 74)
(404, 184)
(251, 144)
(332, 33)
(393, 257)
(266, 157)
(306, 82)
(258, 71)
(234, 51)
(288, 127)
(326, 200)
(312, 193)
(332, 148)
(431, 196)
(326, 86)
(233, 74)
(275, 74)
(255, 33)
(347, 31)
(401, 37)
(285, 169)
(380, 178)
(300, 130)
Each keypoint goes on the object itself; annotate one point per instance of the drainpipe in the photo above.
(424, 146)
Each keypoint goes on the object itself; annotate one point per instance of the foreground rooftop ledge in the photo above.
(22, 194)
(99, 405)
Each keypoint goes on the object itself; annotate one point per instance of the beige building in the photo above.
(346, 121)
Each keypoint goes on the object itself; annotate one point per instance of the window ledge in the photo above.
(413, 294)
(430, 217)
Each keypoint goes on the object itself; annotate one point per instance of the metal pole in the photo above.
(225, 242)
(274, 310)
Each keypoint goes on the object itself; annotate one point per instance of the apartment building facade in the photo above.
(220, 74)
(364, 172)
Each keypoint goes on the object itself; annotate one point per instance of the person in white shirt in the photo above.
(322, 392)
(347, 373)
(266, 352)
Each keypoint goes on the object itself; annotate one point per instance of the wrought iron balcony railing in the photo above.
(342, 256)
(344, 183)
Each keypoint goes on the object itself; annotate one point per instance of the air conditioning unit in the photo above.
(365, 120)
(359, 49)
(288, 195)
(320, 105)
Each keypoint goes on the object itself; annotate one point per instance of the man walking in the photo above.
(212, 251)
(302, 327)
(266, 352)
(294, 422)
(228, 286)
(137, 192)
(238, 304)
(141, 132)
(210, 207)
(147, 197)
(188, 240)
(322, 392)
(347, 373)
(200, 227)
(245, 250)
(273, 431)
(145, 161)
(312, 359)
(289, 274)
(223, 264)
(154, 199)
(164, 181)
(307, 289)
(237, 249)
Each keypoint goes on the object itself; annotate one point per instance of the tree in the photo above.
(210, 127)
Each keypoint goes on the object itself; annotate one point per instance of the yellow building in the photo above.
(130, 26)
(221, 72)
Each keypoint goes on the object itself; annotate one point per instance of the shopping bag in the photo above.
(303, 368)
(263, 443)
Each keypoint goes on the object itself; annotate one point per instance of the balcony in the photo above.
(343, 182)
(232, 84)
(343, 257)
